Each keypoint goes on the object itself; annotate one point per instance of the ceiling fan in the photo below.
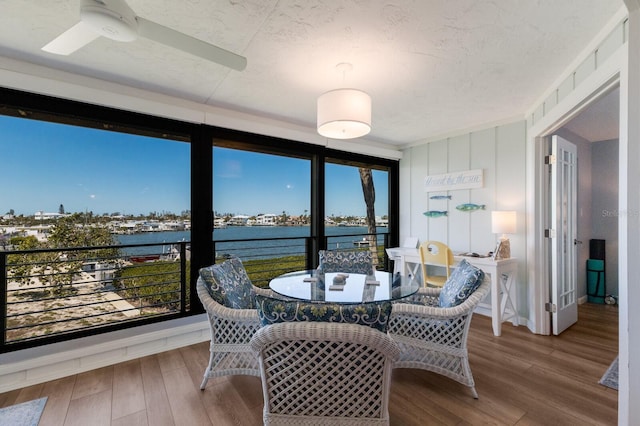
(115, 20)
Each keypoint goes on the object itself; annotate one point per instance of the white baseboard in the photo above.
(582, 299)
(37, 365)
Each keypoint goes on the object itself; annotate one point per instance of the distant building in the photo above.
(219, 222)
(172, 226)
(47, 216)
(268, 219)
(238, 220)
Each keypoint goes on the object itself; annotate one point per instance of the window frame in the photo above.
(203, 138)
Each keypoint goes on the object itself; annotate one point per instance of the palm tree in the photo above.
(369, 192)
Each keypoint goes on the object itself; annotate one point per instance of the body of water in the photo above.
(339, 237)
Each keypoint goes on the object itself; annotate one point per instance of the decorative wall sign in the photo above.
(456, 180)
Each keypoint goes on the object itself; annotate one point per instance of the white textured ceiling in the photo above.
(430, 66)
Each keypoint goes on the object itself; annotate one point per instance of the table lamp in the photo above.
(503, 222)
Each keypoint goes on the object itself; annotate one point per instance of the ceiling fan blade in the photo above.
(180, 41)
(71, 40)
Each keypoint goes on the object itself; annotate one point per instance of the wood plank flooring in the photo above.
(522, 379)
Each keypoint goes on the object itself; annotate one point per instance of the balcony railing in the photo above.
(267, 258)
(50, 295)
(57, 294)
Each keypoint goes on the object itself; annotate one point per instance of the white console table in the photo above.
(503, 275)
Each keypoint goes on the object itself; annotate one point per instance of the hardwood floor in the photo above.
(522, 379)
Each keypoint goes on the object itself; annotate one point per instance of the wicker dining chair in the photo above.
(434, 338)
(354, 261)
(319, 373)
(229, 300)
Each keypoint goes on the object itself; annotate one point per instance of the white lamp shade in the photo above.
(503, 222)
(344, 114)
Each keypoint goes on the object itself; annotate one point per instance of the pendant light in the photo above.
(344, 113)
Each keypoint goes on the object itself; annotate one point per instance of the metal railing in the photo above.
(50, 295)
(265, 259)
(337, 242)
(57, 294)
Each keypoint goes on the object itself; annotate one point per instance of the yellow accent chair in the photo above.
(435, 253)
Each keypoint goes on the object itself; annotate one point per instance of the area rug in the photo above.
(25, 414)
(610, 378)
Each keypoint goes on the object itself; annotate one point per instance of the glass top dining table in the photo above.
(337, 287)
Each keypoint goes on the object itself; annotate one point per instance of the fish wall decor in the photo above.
(440, 197)
(469, 207)
(435, 213)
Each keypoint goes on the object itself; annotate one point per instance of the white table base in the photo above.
(503, 275)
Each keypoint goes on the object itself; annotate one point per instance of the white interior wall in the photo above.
(500, 152)
(605, 207)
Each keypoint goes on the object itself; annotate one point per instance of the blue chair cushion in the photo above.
(211, 283)
(463, 281)
(229, 284)
(357, 262)
(374, 314)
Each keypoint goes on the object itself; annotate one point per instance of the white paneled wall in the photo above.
(500, 153)
(593, 60)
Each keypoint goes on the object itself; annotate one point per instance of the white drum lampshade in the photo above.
(344, 114)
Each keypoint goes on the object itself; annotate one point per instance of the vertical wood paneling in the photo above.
(510, 171)
(538, 113)
(500, 153)
(437, 226)
(483, 156)
(565, 87)
(405, 219)
(551, 101)
(511, 158)
(419, 169)
(585, 69)
(459, 224)
(610, 44)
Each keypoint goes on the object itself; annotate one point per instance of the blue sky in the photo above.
(48, 164)
(274, 184)
(45, 164)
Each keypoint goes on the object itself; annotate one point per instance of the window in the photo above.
(349, 223)
(141, 175)
(261, 210)
(132, 184)
(84, 198)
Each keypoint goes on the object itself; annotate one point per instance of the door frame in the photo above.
(593, 88)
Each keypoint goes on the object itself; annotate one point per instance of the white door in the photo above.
(564, 222)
